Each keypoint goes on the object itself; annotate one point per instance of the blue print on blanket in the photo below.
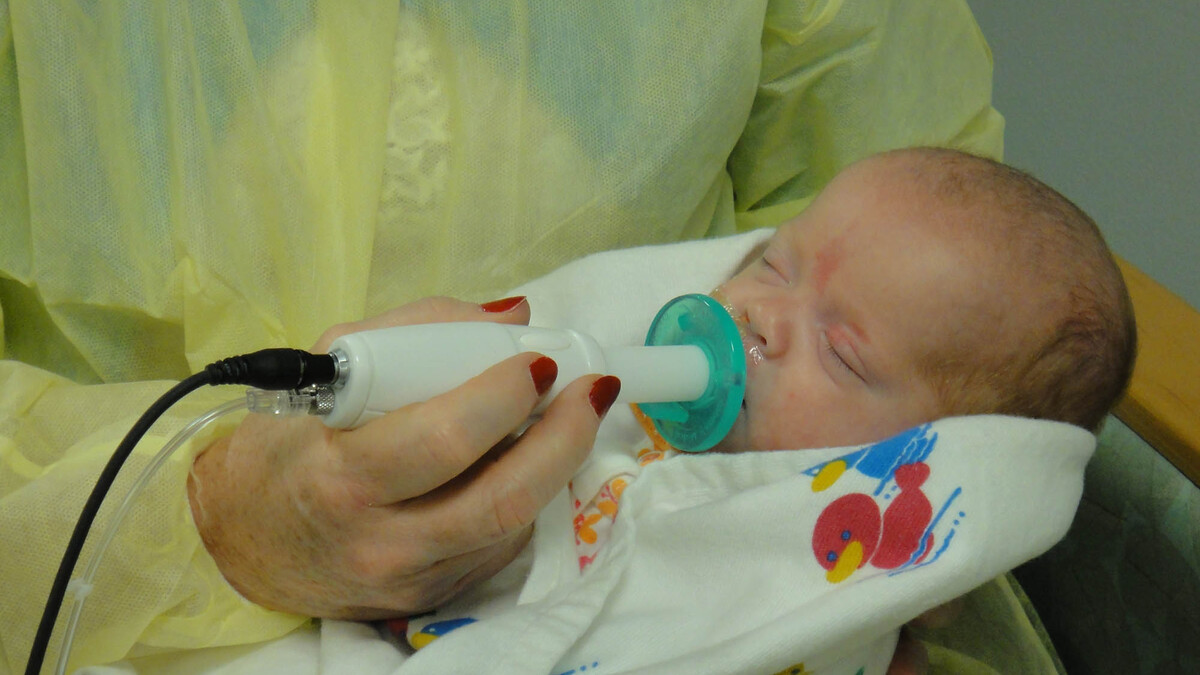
(581, 669)
(421, 634)
(892, 528)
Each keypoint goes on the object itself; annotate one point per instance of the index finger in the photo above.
(502, 497)
(416, 449)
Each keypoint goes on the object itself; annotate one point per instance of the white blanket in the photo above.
(801, 561)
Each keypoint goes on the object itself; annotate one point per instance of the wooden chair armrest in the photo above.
(1162, 404)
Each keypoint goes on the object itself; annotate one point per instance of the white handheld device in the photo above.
(389, 368)
(690, 377)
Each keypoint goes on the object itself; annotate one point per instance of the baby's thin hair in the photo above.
(1076, 368)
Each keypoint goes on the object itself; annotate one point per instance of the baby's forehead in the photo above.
(890, 218)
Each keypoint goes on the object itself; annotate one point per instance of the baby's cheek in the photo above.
(812, 416)
(782, 425)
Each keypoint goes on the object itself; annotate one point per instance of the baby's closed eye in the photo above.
(834, 353)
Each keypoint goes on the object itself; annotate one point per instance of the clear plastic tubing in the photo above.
(82, 586)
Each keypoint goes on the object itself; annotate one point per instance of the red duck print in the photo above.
(851, 531)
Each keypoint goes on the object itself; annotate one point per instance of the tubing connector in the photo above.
(314, 400)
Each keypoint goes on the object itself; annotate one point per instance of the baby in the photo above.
(920, 284)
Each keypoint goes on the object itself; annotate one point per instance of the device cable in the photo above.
(265, 369)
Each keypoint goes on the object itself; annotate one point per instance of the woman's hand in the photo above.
(401, 514)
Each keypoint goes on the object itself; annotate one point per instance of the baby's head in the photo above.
(921, 284)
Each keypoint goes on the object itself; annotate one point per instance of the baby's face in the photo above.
(839, 311)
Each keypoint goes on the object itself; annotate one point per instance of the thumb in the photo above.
(438, 309)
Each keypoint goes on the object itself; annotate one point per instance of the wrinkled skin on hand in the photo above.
(403, 513)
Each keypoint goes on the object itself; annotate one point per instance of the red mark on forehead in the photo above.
(829, 258)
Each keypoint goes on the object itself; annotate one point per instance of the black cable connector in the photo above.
(265, 369)
(275, 369)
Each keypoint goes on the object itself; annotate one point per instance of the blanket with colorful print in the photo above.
(796, 561)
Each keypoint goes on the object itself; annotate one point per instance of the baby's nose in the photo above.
(769, 325)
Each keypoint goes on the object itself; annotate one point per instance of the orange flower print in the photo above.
(607, 507)
(647, 455)
(618, 487)
(583, 528)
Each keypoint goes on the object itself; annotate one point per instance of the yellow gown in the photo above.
(180, 182)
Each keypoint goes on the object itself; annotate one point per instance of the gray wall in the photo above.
(1102, 101)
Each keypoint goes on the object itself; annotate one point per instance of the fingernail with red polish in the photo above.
(604, 392)
(501, 306)
(397, 627)
(544, 371)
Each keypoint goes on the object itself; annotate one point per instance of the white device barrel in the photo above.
(393, 367)
(659, 374)
(390, 368)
